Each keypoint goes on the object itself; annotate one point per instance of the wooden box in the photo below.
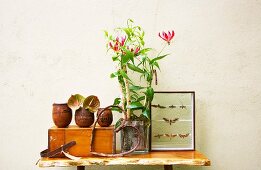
(103, 142)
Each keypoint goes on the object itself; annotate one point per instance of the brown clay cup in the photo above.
(62, 115)
(105, 118)
(83, 117)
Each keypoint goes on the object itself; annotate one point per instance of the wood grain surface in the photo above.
(152, 158)
(104, 139)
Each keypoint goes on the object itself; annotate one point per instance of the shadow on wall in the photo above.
(200, 133)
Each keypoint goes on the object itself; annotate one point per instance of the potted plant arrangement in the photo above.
(131, 57)
(84, 109)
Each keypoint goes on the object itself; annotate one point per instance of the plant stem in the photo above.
(162, 50)
(122, 100)
(127, 90)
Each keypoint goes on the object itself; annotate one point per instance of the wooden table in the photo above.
(166, 158)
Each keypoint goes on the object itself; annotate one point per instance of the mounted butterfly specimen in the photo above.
(158, 136)
(170, 121)
(170, 135)
(183, 107)
(173, 135)
(172, 106)
(183, 135)
(158, 105)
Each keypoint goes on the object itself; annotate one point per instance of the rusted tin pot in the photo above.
(62, 115)
(106, 117)
(83, 117)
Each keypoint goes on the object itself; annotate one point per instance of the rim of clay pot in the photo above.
(59, 104)
(104, 107)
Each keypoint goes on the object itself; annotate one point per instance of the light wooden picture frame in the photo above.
(173, 120)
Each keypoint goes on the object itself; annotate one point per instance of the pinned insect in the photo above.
(183, 107)
(159, 106)
(172, 106)
(173, 135)
(170, 135)
(183, 135)
(170, 121)
(158, 135)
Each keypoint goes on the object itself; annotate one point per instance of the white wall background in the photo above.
(50, 49)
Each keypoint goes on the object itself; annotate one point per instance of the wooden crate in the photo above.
(104, 140)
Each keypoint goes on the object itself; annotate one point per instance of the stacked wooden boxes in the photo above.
(104, 140)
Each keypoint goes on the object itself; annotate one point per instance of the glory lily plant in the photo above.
(167, 36)
(131, 56)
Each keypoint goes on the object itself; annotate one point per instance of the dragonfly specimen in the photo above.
(170, 121)
(159, 106)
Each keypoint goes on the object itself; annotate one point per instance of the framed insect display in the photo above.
(173, 120)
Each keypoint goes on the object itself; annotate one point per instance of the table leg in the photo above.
(80, 167)
(168, 167)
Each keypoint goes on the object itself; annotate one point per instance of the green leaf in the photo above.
(135, 68)
(134, 92)
(145, 50)
(124, 75)
(92, 103)
(114, 58)
(79, 97)
(146, 113)
(75, 101)
(117, 101)
(120, 79)
(111, 37)
(106, 33)
(135, 95)
(150, 94)
(125, 59)
(131, 55)
(127, 31)
(135, 106)
(139, 28)
(155, 63)
(133, 98)
(142, 42)
(148, 76)
(158, 58)
(134, 117)
(115, 74)
(116, 109)
(143, 33)
(118, 123)
(136, 87)
(130, 20)
(140, 98)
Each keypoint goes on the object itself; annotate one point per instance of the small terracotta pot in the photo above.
(83, 117)
(62, 115)
(106, 118)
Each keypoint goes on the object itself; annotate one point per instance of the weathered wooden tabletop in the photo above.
(152, 158)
